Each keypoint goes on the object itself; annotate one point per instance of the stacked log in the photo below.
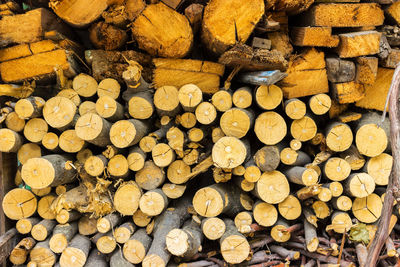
(130, 158)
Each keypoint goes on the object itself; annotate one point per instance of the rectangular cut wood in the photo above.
(343, 15)
(29, 27)
(314, 36)
(306, 75)
(349, 92)
(375, 94)
(37, 66)
(178, 72)
(357, 44)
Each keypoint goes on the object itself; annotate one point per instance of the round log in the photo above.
(242, 97)
(188, 120)
(166, 101)
(123, 232)
(43, 207)
(173, 191)
(19, 203)
(290, 208)
(185, 242)
(301, 175)
(106, 36)
(320, 104)
(41, 254)
(163, 155)
(96, 259)
(140, 105)
(270, 128)
(93, 129)
(20, 252)
(295, 108)
(359, 185)
(150, 177)
(147, 143)
(379, 168)
(340, 222)
(43, 229)
(70, 142)
(265, 214)
(118, 166)
(72, 95)
(87, 225)
(343, 203)
(64, 216)
(109, 109)
(243, 220)
(222, 100)
(59, 112)
(229, 152)
(141, 219)
(339, 136)
(10, 141)
(30, 107)
(108, 222)
(268, 97)
(95, 165)
(336, 169)
(50, 141)
(76, 253)
(367, 209)
(206, 113)
(62, 235)
(14, 122)
(272, 187)
(50, 170)
(190, 95)
(303, 129)
(234, 246)
(35, 129)
(87, 107)
(109, 87)
(279, 232)
(213, 227)
(236, 122)
(136, 247)
(125, 133)
(126, 198)
(85, 85)
(105, 242)
(28, 151)
(153, 202)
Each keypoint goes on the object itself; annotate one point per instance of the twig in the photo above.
(268, 263)
(392, 190)
(261, 243)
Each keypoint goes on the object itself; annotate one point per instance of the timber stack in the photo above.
(197, 133)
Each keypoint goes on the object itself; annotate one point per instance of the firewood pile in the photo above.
(198, 133)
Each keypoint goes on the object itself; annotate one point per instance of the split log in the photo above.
(78, 13)
(137, 246)
(163, 40)
(77, 252)
(62, 235)
(50, 170)
(20, 252)
(31, 26)
(367, 69)
(340, 70)
(106, 36)
(306, 75)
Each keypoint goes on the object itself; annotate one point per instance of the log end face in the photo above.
(208, 202)
(177, 242)
(235, 249)
(38, 173)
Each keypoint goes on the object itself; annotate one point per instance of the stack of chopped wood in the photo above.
(199, 133)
